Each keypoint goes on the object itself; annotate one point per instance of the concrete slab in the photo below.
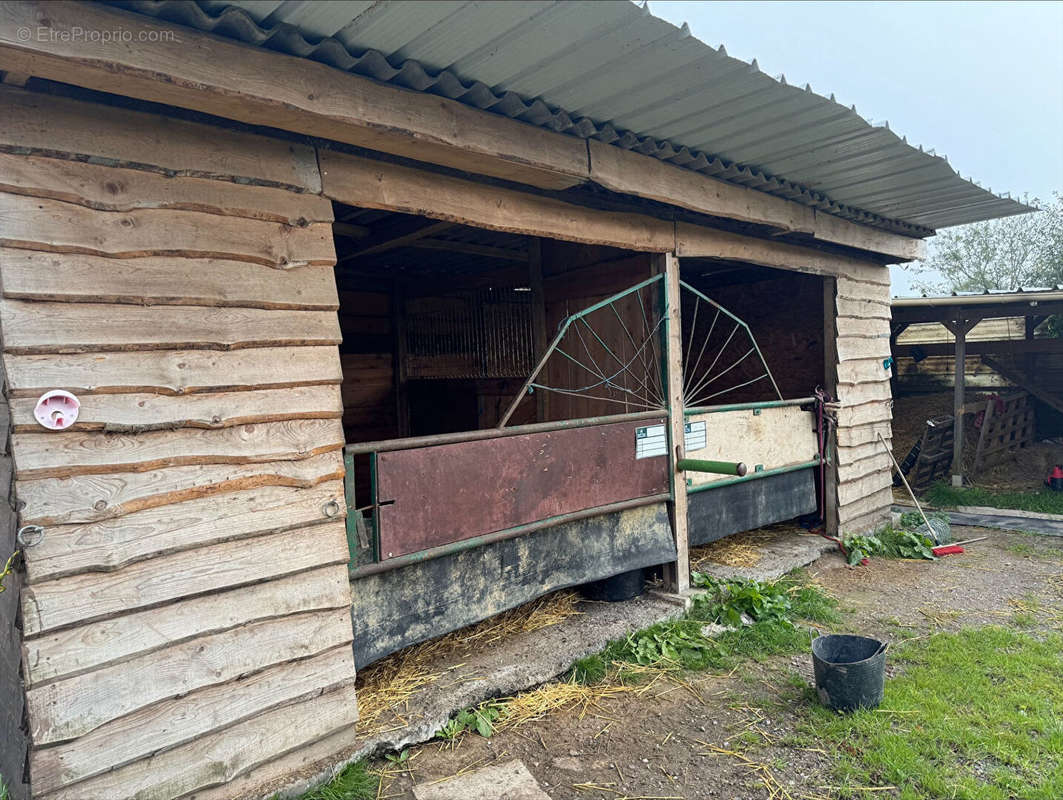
(784, 552)
(509, 781)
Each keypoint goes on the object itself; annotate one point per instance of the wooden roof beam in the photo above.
(261, 87)
(471, 249)
(1000, 347)
(401, 233)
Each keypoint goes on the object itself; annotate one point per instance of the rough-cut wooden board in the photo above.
(874, 504)
(852, 347)
(852, 435)
(86, 647)
(173, 722)
(173, 371)
(776, 437)
(114, 543)
(39, 224)
(137, 412)
(216, 759)
(377, 184)
(31, 327)
(60, 126)
(855, 490)
(106, 188)
(866, 370)
(863, 308)
(75, 277)
(74, 706)
(865, 413)
(88, 498)
(59, 454)
(855, 394)
(451, 492)
(81, 598)
(229, 79)
(853, 466)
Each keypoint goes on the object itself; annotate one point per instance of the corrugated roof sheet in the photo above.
(611, 71)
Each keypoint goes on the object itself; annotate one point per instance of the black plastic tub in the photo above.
(850, 671)
(617, 588)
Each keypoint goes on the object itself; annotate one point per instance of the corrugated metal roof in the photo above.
(611, 71)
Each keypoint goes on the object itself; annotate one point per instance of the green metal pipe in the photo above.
(717, 467)
(800, 401)
(767, 473)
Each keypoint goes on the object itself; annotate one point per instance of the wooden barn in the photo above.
(330, 328)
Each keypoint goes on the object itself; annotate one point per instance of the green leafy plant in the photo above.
(354, 782)
(480, 719)
(908, 544)
(858, 547)
(727, 601)
(398, 758)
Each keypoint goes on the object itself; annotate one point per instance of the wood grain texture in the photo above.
(220, 757)
(89, 596)
(377, 184)
(854, 435)
(863, 308)
(864, 370)
(79, 278)
(54, 226)
(861, 488)
(77, 650)
(138, 413)
(857, 465)
(174, 722)
(72, 707)
(864, 414)
(60, 126)
(90, 498)
(108, 188)
(867, 511)
(854, 347)
(260, 87)
(31, 327)
(56, 455)
(111, 544)
(694, 241)
(175, 372)
(854, 394)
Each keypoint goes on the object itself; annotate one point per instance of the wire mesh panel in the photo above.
(484, 333)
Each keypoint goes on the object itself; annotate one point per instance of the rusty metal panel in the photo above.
(432, 496)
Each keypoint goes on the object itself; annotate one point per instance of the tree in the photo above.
(1024, 251)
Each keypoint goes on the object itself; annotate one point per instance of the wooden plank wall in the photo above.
(187, 616)
(862, 325)
(13, 732)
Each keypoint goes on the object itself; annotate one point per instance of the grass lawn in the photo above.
(976, 715)
(1043, 501)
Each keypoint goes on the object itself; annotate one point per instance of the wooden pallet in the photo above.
(935, 453)
(1007, 425)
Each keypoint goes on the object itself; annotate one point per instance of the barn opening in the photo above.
(505, 412)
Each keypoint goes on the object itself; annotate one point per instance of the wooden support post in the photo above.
(959, 329)
(539, 341)
(830, 383)
(398, 328)
(677, 574)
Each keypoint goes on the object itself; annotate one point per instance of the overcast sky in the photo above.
(979, 82)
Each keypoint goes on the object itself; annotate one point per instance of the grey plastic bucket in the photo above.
(850, 671)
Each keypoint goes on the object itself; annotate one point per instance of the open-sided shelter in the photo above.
(383, 317)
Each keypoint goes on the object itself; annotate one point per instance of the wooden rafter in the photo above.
(400, 233)
(472, 249)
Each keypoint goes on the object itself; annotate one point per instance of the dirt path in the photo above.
(666, 741)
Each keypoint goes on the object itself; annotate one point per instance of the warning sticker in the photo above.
(695, 436)
(652, 440)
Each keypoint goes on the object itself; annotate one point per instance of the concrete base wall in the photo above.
(391, 610)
